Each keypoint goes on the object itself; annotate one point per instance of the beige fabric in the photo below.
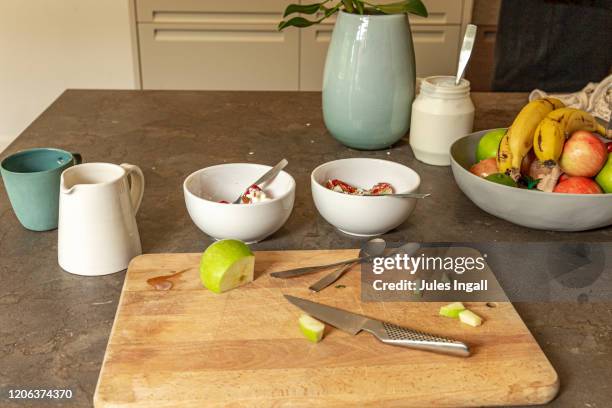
(595, 98)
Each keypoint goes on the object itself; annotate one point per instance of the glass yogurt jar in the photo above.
(442, 113)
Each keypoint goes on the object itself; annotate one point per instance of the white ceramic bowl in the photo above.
(532, 209)
(247, 222)
(358, 215)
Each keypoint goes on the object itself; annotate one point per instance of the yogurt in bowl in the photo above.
(360, 215)
(209, 191)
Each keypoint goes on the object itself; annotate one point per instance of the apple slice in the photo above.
(311, 328)
(226, 264)
(452, 310)
(470, 318)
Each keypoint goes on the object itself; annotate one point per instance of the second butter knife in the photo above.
(388, 333)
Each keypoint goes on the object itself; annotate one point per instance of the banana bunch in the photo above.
(519, 138)
(550, 136)
(572, 119)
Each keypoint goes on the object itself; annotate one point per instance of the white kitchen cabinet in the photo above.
(191, 44)
(234, 44)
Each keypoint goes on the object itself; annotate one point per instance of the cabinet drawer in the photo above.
(435, 48)
(440, 12)
(209, 11)
(218, 57)
(223, 11)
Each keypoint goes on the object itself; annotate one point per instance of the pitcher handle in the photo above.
(136, 184)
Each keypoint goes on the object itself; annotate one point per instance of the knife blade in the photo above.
(387, 333)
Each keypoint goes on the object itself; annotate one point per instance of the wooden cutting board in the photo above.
(189, 347)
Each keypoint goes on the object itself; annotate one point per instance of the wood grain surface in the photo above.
(189, 347)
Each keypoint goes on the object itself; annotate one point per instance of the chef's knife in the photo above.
(386, 332)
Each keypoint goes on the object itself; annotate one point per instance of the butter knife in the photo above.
(387, 333)
(305, 270)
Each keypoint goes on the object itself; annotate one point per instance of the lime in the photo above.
(501, 178)
(226, 264)
(488, 144)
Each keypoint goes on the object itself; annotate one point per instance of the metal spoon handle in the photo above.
(268, 175)
(291, 273)
(466, 51)
(399, 195)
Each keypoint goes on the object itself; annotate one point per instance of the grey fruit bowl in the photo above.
(528, 208)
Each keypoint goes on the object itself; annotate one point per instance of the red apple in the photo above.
(484, 167)
(584, 154)
(563, 177)
(578, 185)
(609, 146)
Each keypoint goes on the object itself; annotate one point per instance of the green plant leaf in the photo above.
(299, 22)
(530, 182)
(302, 8)
(348, 5)
(359, 6)
(415, 7)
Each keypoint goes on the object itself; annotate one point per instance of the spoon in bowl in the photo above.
(398, 195)
(268, 175)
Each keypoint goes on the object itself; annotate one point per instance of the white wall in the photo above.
(47, 46)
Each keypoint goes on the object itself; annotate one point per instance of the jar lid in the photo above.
(445, 84)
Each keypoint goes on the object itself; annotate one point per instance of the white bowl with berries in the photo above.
(338, 189)
(263, 209)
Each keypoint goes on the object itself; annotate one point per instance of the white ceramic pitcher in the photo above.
(97, 232)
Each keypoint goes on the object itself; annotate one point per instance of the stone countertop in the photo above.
(54, 326)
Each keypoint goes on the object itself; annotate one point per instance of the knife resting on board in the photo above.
(385, 332)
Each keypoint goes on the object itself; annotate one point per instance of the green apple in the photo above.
(311, 328)
(604, 177)
(452, 310)
(488, 144)
(226, 264)
(470, 318)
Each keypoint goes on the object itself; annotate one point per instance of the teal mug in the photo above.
(32, 181)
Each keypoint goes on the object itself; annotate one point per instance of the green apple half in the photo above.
(226, 264)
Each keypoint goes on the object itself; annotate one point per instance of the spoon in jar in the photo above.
(466, 51)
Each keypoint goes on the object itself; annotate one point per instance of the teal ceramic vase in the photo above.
(369, 80)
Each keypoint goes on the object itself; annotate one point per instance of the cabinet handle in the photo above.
(202, 17)
(217, 35)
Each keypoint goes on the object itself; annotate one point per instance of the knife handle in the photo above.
(400, 336)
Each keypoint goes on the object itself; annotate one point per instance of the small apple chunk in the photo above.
(311, 328)
(584, 154)
(484, 167)
(470, 318)
(578, 185)
(452, 310)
